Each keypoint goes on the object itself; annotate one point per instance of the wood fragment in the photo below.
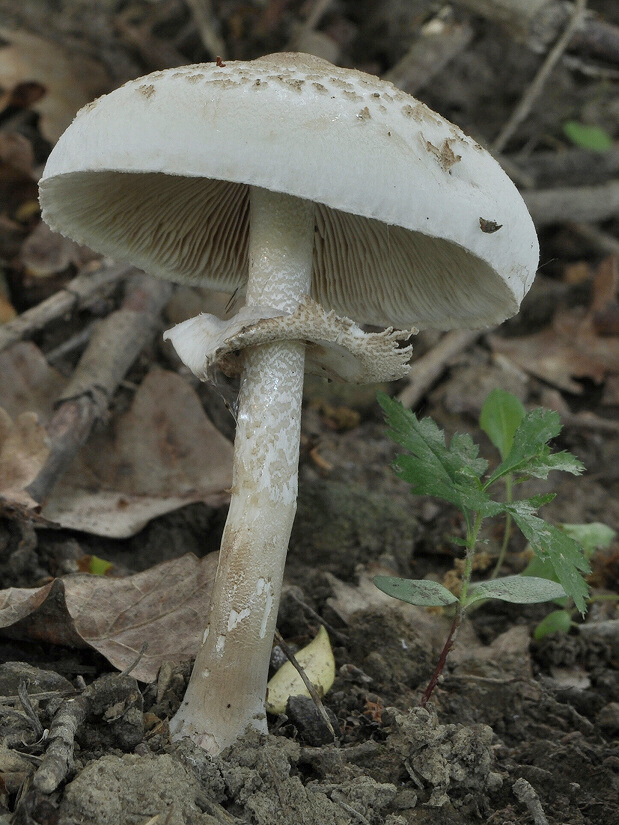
(537, 23)
(310, 687)
(114, 346)
(205, 20)
(539, 81)
(605, 242)
(439, 42)
(526, 793)
(58, 758)
(77, 294)
(565, 167)
(428, 369)
(573, 204)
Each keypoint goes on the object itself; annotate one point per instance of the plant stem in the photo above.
(451, 638)
(471, 543)
(508, 527)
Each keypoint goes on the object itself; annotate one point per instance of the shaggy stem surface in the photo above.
(227, 688)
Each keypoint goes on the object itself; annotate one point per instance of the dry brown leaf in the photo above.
(165, 606)
(576, 345)
(23, 451)
(162, 454)
(71, 80)
(46, 253)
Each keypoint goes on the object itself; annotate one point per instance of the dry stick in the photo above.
(113, 348)
(312, 690)
(202, 13)
(526, 793)
(77, 294)
(605, 242)
(532, 93)
(573, 204)
(58, 758)
(427, 369)
(538, 23)
(429, 53)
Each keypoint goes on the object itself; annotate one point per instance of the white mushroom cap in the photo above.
(157, 173)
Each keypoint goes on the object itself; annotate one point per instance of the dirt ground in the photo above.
(517, 731)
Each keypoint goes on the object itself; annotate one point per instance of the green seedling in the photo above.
(591, 537)
(457, 474)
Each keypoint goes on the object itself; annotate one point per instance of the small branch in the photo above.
(114, 346)
(428, 369)
(573, 204)
(439, 42)
(202, 13)
(77, 294)
(533, 92)
(606, 243)
(58, 758)
(526, 793)
(310, 687)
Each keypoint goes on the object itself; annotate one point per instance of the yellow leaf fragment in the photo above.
(317, 661)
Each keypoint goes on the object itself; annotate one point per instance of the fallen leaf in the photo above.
(570, 348)
(69, 79)
(45, 252)
(317, 660)
(24, 449)
(162, 454)
(165, 606)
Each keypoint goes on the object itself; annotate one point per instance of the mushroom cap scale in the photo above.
(157, 173)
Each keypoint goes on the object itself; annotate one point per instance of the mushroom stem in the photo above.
(226, 692)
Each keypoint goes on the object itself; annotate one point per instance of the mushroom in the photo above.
(328, 198)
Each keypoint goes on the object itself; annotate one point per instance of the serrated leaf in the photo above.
(419, 592)
(530, 454)
(555, 546)
(515, 589)
(593, 138)
(500, 418)
(559, 621)
(451, 473)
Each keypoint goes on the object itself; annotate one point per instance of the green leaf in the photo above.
(451, 473)
(500, 418)
(530, 454)
(515, 589)
(554, 546)
(593, 138)
(559, 621)
(592, 537)
(419, 592)
(99, 567)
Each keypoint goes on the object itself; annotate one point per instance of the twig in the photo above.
(202, 13)
(310, 687)
(566, 167)
(439, 42)
(427, 369)
(317, 617)
(26, 703)
(533, 92)
(58, 758)
(573, 204)
(136, 661)
(113, 348)
(606, 243)
(77, 294)
(525, 793)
